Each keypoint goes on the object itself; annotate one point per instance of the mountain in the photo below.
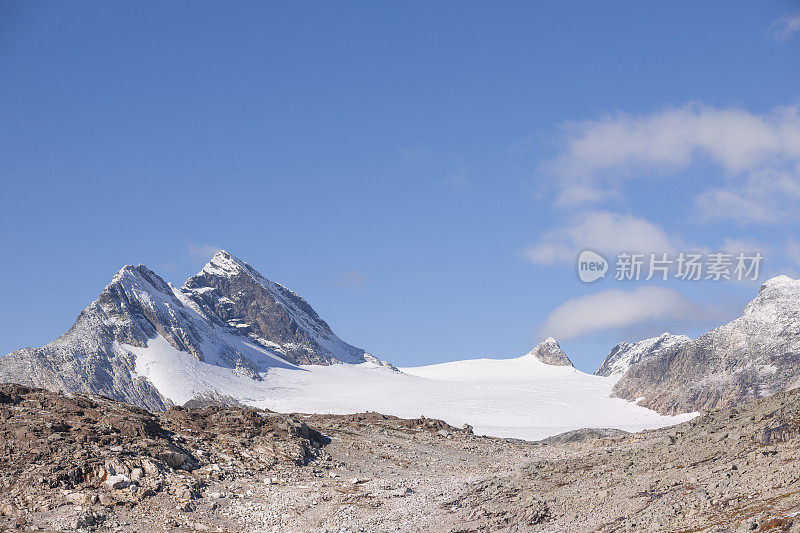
(625, 354)
(756, 355)
(230, 293)
(550, 353)
(228, 317)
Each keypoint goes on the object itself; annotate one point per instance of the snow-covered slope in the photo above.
(528, 368)
(550, 401)
(625, 354)
(521, 397)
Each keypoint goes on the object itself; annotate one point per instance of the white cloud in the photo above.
(734, 205)
(764, 197)
(674, 137)
(745, 246)
(615, 309)
(602, 231)
(757, 152)
(785, 27)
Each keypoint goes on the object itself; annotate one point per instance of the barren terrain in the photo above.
(90, 463)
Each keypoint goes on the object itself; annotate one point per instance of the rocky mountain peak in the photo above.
(754, 355)
(779, 281)
(231, 293)
(549, 352)
(223, 263)
(777, 296)
(625, 354)
(138, 278)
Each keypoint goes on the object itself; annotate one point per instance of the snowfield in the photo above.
(521, 398)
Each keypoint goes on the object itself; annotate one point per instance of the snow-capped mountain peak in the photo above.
(750, 357)
(779, 281)
(777, 296)
(625, 354)
(549, 352)
(142, 337)
(229, 292)
(225, 263)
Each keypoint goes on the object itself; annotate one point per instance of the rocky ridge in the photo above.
(756, 355)
(626, 354)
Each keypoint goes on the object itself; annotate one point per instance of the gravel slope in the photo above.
(90, 463)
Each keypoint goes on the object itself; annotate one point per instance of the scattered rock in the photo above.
(118, 481)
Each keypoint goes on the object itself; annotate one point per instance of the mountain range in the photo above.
(230, 334)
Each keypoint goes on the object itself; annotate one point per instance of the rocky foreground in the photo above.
(89, 463)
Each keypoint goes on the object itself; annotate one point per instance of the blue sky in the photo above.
(423, 173)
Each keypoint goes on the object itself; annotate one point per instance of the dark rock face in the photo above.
(550, 353)
(231, 293)
(225, 306)
(754, 356)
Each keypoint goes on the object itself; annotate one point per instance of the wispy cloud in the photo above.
(793, 251)
(745, 246)
(352, 279)
(412, 153)
(768, 196)
(614, 309)
(457, 180)
(785, 27)
(602, 231)
(600, 156)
